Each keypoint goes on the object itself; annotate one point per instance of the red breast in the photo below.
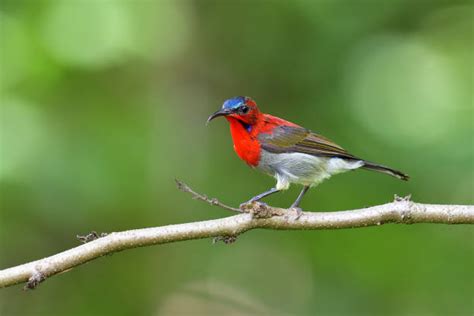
(245, 136)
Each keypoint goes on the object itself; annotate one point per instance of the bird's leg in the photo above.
(296, 205)
(260, 196)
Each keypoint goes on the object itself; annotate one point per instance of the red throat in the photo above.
(245, 142)
(245, 137)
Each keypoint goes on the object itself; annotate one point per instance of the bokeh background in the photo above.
(103, 105)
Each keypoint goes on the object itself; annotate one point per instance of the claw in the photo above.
(249, 203)
(257, 198)
(243, 206)
(298, 211)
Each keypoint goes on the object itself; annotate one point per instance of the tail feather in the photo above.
(394, 173)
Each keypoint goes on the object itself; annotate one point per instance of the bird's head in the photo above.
(243, 109)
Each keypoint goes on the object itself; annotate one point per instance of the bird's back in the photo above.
(296, 154)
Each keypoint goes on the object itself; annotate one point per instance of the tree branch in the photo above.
(256, 215)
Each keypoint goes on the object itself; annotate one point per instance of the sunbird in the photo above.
(288, 152)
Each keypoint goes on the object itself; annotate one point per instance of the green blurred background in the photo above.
(103, 104)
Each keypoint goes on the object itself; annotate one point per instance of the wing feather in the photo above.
(287, 139)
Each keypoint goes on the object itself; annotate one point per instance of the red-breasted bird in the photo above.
(286, 151)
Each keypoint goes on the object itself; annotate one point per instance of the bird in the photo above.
(286, 151)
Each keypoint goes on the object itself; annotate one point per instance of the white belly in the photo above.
(303, 169)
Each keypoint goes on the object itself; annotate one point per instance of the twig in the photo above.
(197, 196)
(93, 235)
(256, 215)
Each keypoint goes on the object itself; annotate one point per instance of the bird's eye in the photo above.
(244, 109)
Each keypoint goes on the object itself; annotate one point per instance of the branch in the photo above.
(256, 215)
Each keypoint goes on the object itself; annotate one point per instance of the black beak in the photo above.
(222, 112)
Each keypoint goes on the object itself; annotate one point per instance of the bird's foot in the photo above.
(260, 210)
(244, 205)
(298, 210)
(250, 203)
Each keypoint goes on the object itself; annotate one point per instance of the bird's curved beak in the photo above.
(221, 112)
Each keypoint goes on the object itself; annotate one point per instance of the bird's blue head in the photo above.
(233, 103)
(243, 109)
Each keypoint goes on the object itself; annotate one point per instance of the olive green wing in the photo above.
(291, 139)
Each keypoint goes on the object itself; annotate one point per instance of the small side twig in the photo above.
(197, 196)
(397, 198)
(93, 235)
(36, 278)
(225, 239)
(257, 209)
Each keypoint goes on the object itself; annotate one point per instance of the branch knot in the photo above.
(227, 239)
(90, 237)
(35, 279)
(261, 210)
(397, 198)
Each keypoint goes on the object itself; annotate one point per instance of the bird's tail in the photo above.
(394, 173)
